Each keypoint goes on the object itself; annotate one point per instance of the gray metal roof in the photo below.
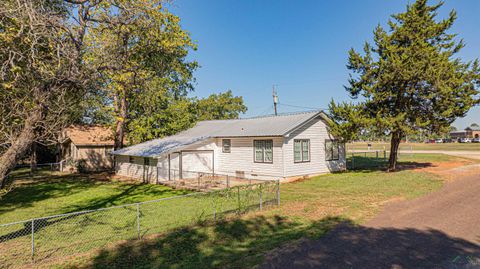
(280, 125)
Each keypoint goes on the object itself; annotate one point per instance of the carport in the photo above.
(190, 161)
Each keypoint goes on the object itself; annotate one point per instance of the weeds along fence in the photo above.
(53, 237)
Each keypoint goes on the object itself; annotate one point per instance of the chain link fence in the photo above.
(35, 240)
(206, 181)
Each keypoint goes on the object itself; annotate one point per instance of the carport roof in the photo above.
(266, 126)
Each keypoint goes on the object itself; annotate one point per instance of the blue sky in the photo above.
(300, 46)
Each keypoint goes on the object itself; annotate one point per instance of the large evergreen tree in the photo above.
(409, 80)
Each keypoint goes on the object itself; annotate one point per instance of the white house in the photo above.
(270, 147)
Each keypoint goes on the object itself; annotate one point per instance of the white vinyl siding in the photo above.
(316, 131)
(135, 167)
(241, 160)
(279, 156)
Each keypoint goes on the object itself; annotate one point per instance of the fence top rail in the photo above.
(130, 205)
(366, 151)
(223, 173)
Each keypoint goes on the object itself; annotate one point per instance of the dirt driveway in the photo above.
(440, 230)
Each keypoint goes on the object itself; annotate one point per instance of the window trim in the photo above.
(301, 150)
(229, 145)
(263, 151)
(338, 150)
(131, 159)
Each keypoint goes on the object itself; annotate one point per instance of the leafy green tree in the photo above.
(141, 49)
(409, 80)
(220, 106)
(159, 113)
(474, 125)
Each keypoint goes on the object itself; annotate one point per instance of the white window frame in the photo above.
(304, 158)
(263, 147)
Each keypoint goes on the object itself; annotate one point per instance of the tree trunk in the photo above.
(120, 124)
(394, 144)
(20, 146)
(33, 158)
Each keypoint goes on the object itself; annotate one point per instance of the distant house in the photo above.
(469, 132)
(271, 147)
(87, 147)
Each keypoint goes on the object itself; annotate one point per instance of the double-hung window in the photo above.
(301, 150)
(332, 150)
(263, 151)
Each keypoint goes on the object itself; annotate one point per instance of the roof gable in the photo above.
(89, 135)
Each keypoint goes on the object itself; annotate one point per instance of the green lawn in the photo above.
(374, 161)
(50, 193)
(415, 146)
(308, 208)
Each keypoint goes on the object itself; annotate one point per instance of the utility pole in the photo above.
(275, 99)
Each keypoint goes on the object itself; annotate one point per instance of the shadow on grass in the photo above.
(128, 193)
(27, 191)
(244, 243)
(239, 243)
(371, 164)
(44, 186)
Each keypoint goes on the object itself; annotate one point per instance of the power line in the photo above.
(266, 111)
(305, 107)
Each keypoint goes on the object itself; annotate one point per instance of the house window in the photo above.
(146, 161)
(301, 150)
(226, 145)
(131, 159)
(332, 150)
(263, 151)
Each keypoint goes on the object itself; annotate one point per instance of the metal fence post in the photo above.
(261, 196)
(33, 240)
(214, 208)
(198, 179)
(138, 220)
(228, 181)
(238, 196)
(353, 160)
(278, 192)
